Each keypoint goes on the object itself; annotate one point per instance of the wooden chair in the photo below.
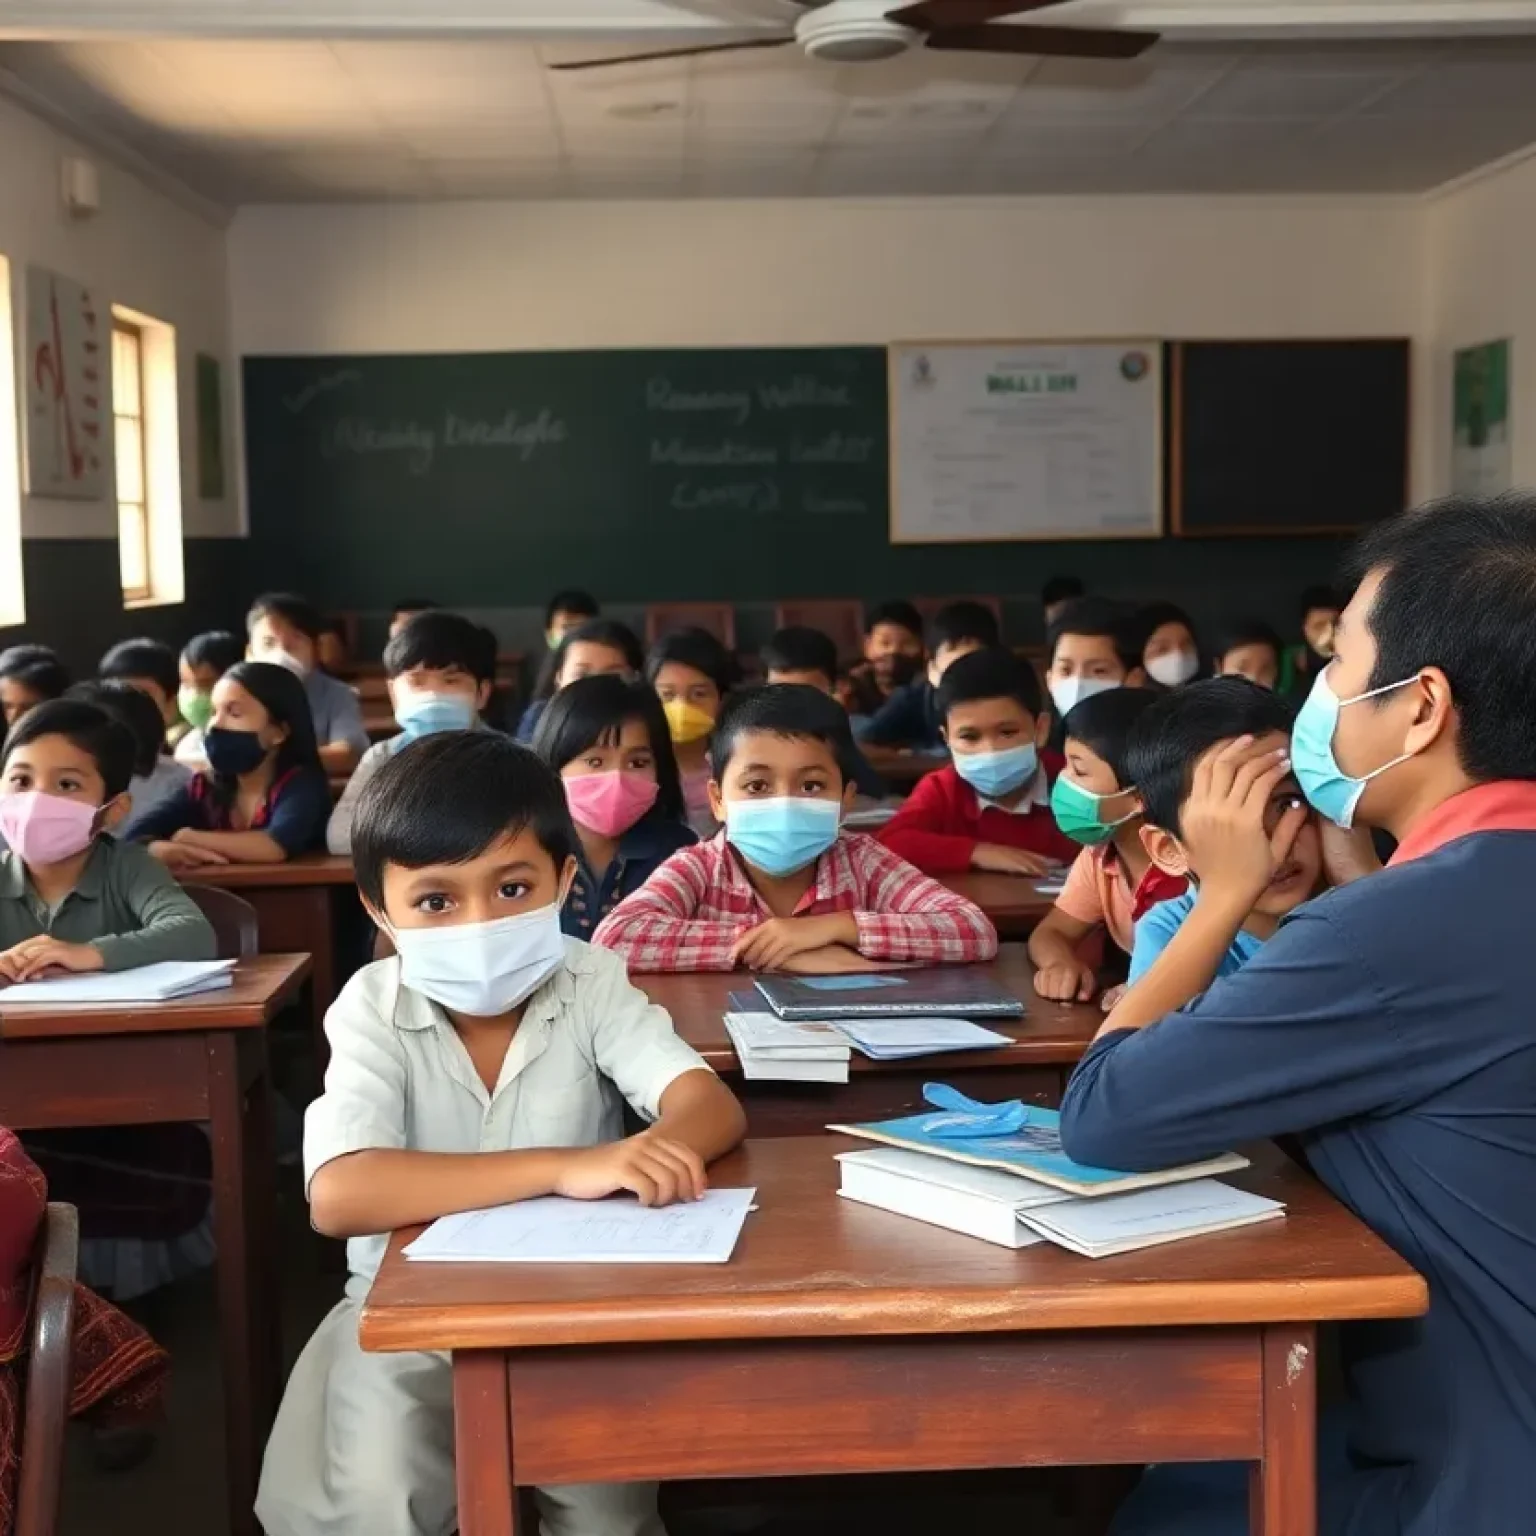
(235, 928)
(48, 1375)
(841, 619)
(929, 606)
(718, 618)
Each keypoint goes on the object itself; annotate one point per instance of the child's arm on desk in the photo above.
(1060, 974)
(657, 929)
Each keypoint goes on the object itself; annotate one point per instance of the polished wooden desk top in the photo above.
(1001, 896)
(306, 869)
(1054, 1034)
(263, 984)
(811, 1265)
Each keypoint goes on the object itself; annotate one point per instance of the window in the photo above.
(132, 466)
(13, 606)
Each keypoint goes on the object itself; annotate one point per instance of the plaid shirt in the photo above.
(691, 912)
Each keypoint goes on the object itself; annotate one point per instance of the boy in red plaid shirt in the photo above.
(781, 888)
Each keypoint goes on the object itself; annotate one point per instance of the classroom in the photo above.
(769, 767)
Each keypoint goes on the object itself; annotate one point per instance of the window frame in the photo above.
(122, 326)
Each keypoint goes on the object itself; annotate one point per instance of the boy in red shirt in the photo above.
(991, 807)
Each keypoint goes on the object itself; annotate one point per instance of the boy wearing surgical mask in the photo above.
(488, 1061)
(1093, 646)
(72, 898)
(782, 888)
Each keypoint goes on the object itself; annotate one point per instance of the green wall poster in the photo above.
(1480, 446)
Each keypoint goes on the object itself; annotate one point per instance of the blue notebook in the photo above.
(951, 992)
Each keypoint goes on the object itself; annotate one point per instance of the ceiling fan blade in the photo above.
(1044, 42)
(678, 53)
(939, 15)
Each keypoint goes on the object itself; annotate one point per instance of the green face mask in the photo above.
(1077, 812)
(196, 708)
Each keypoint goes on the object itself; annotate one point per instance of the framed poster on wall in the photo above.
(68, 387)
(1480, 437)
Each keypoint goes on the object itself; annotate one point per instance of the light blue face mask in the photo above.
(1329, 790)
(781, 835)
(424, 714)
(998, 773)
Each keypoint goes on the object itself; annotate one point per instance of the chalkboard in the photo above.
(494, 477)
(1286, 437)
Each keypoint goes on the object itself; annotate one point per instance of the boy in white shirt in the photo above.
(487, 1062)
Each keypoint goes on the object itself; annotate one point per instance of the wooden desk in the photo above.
(901, 770)
(1047, 1043)
(843, 1339)
(1011, 901)
(197, 1058)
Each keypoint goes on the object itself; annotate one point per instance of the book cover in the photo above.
(944, 991)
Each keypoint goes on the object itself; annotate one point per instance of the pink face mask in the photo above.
(46, 829)
(610, 803)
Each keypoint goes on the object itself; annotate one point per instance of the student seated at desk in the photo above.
(286, 630)
(989, 807)
(1318, 609)
(151, 667)
(1386, 1026)
(156, 777)
(911, 717)
(1094, 645)
(607, 739)
(1250, 648)
(406, 609)
(800, 654)
(894, 653)
(566, 611)
(264, 796)
(487, 1062)
(1170, 649)
(1055, 593)
(204, 660)
(441, 670)
(596, 648)
(29, 674)
(692, 673)
(73, 898)
(780, 888)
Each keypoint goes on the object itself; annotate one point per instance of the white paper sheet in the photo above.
(896, 1039)
(147, 984)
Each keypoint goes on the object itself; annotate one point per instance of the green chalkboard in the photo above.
(493, 477)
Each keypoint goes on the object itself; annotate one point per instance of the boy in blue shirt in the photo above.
(1186, 727)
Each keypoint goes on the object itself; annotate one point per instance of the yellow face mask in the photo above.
(687, 722)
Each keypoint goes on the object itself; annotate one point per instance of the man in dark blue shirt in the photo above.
(1387, 1025)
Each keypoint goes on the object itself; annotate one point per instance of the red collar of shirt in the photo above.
(1506, 805)
(1154, 886)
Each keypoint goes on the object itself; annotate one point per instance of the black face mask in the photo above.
(896, 670)
(231, 753)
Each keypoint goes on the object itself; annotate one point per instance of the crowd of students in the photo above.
(655, 812)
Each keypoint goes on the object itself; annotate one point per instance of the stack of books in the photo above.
(771, 1049)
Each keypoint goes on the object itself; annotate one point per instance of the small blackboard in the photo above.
(1286, 437)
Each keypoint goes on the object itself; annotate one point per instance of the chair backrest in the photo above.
(841, 619)
(718, 618)
(48, 1374)
(235, 927)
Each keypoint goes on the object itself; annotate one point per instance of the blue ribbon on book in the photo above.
(964, 1117)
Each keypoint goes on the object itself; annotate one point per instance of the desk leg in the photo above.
(261, 1187)
(482, 1434)
(1282, 1488)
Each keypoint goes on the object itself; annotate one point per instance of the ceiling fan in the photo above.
(862, 31)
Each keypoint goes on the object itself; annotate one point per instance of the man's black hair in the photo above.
(1099, 616)
(413, 605)
(438, 640)
(964, 620)
(153, 659)
(1248, 632)
(134, 709)
(591, 712)
(899, 612)
(993, 673)
(36, 667)
(572, 600)
(1060, 589)
(1458, 592)
(1171, 735)
(1103, 722)
(447, 798)
(1318, 597)
(609, 632)
(216, 648)
(106, 741)
(795, 711)
(799, 648)
(296, 611)
(695, 648)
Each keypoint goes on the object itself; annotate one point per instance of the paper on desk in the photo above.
(895, 1039)
(553, 1230)
(157, 983)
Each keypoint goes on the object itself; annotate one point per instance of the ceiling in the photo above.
(244, 121)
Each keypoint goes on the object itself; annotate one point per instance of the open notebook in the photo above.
(160, 983)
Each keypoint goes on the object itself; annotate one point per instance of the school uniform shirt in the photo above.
(126, 903)
(151, 790)
(1157, 927)
(640, 853)
(338, 829)
(528, 721)
(399, 1077)
(691, 912)
(943, 819)
(1387, 1025)
(293, 813)
(336, 711)
(908, 718)
(1098, 890)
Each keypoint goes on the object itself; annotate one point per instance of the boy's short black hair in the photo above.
(437, 640)
(792, 710)
(1060, 589)
(296, 611)
(1098, 616)
(153, 659)
(1458, 592)
(799, 648)
(1318, 597)
(1103, 722)
(572, 600)
(1171, 735)
(36, 667)
(134, 709)
(1152, 616)
(993, 673)
(107, 741)
(216, 648)
(899, 612)
(696, 648)
(964, 620)
(1248, 632)
(447, 797)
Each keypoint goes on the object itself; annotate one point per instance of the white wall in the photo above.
(141, 250)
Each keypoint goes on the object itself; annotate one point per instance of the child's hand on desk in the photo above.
(177, 855)
(659, 1172)
(997, 859)
(768, 946)
(37, 957)
(834, 960)
(1066, 982)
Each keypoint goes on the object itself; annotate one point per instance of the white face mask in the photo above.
(1071, 691)
(482, 969)
(1173, 668)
